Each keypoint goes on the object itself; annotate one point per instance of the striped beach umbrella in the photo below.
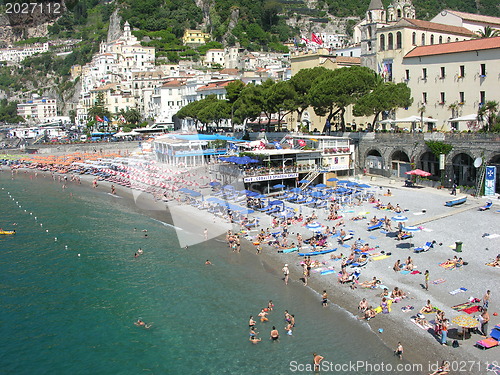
(315, 227)
(400, 218)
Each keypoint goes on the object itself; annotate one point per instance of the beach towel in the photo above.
(346, 246)
(335, 235)
(372, 237)
(492, 265)
(494, 235)
(381, 286)
(416, 272)
(459, 290)
(471, 310)
(462, 306)
(404, 272)
(438, 281)
(375, 254)
(447, 266)
(383, 231)
(407, 308)
(380, 257)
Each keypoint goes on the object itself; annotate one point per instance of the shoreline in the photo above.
(418, 348)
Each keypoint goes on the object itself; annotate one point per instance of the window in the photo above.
(461, 73)
(424, 73)
(398, 40)
(432, 39)
(443, 72)
(442, 98)
(414, 39)
(407, 74)
(424, 98)
(482, 97)
(440, 39)
(423, 39)
(390, 41)
(461, 97)
(448, 40)
(482, 72)
(399, 13)
(382, 42)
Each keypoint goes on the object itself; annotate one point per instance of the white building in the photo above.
(38, 109)
(473, 22)
(452, 81)
(16, 55)
(215, 57)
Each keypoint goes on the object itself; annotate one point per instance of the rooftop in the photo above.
(432, 26)
(475, 17)
(455, 47)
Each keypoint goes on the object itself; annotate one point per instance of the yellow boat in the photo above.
(7, 232)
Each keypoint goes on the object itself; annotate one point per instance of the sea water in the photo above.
(71, 290)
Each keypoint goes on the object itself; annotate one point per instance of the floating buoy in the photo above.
(66, 246)
(24, 210)
(31, 213)
(78, 254)
(55, 238)
(46, 230)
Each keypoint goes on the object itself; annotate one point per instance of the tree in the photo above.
(302, 83)
(489, 111)
(386, 96)
(282, 99)
(8, 112)
(98, 109)
(248, 105)
(488, 32)
(133, 116)
(331, 93)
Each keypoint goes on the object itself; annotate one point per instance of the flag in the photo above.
(97, 118)
(105, 118)
(306, 40)
(301, 142)
(316, 39)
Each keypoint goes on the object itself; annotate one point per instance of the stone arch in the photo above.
(374, 162)
(464, 172)
(400, 163)
(428, 162)
(495, 161)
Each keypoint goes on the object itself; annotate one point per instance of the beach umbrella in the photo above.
(333, 179)
(364, 186)
(418, 172)
(316, 194)
(296, 190)
(303, 181)
(400, 218)
(465, 321)
(343, 181)
(411, 230)
(315, 227)
(278, 186)
(320, 186)
(214, 183)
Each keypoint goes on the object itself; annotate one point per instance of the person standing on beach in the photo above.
(324, 297)
(113, 190)
(444, 332)
(286, 273)
(484, 318)
(205, 233)
(275, 335)
(486, 299)
(399, 351)
(426, 274)
(317, 361)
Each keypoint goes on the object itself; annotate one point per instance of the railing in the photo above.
(261, 171)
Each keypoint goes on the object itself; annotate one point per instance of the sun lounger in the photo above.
(486, 206)
(491, 341)
(375, 226)
(423, 249)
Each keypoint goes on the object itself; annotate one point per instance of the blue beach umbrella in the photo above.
(320, 186)
(316, 194)
(278, 186)
(296, 190)
(214, 183)
(315, 227)
(364, 186)
(303, 181)
(333, 179)
(400, 218)
(411, 229)
(343, 181)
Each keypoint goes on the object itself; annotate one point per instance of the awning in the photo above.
(472, 117)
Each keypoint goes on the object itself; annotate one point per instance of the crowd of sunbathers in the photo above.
(456, 262)
(387, 299)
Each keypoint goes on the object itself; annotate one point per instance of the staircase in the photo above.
(39, 139)
(311, 176)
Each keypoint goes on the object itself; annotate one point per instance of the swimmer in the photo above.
(254, 340)
(140, 252)
(262, 315)
(317, 360)
(208, 263)
(140, 323)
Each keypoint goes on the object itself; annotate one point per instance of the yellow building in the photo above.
(195, 37)
(324, 59)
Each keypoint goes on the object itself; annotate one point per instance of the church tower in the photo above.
(400, 9)
(375, 18)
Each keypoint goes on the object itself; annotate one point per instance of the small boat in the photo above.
(456, 201)
(319, 252)
(7, 232)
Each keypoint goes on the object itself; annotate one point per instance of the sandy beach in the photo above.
(424, 207)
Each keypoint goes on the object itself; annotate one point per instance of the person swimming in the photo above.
(141, 323)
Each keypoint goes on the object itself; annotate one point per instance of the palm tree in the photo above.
(489, 111)
(421, 110)
(488, 32)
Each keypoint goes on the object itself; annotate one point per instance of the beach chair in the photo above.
(322, 204)
(375, 226)
(491, 341)
(486, 206)
(426, 247)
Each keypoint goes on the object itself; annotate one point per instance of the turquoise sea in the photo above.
(67, 314)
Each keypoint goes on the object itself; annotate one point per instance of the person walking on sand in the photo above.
(286, 273)
(486, 299)
(454, 189)
(426, 275)
(205, 233)
(399, 351)
(317, 361)
(113, 190)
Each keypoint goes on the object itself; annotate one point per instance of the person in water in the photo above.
(140, 323)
